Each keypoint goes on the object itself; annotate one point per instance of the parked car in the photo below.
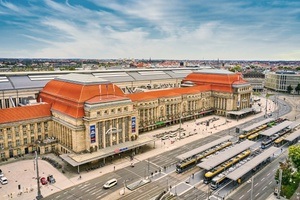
(110, 183)
(51, 179)
(3, 180)
(44, 181)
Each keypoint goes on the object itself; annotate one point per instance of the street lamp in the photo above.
(39, 195)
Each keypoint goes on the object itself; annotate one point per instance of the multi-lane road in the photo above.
(183, 185)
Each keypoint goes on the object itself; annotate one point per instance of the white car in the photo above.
(3, 180)
(110, 183)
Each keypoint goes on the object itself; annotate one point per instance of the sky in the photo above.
(156, 29)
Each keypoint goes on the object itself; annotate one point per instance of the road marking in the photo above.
(274, 170)
(248, 190)
(58, 196)
(263, 179)
(270, 183)
(256, 194)
(73, 189)
(66, 192)
(241, 197)
(90, 189)
(268, 174)
(264, 188)
(101, 195)
(256, 184)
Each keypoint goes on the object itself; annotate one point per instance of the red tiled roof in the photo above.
(105, 98)
(10, 115)
(69, 98)
(218, 82)
(167, 93)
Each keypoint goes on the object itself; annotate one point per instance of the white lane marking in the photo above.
(264, 188)
(256, 184)
(101, 195)
(73, 189)
(270, 183)
(256, 194)
(241, 197)
(268, 174)
(58, 196)
(262, 179)
(248, 190)
(274, 170)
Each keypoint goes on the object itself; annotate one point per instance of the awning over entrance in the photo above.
(240, 112)
(79, 159)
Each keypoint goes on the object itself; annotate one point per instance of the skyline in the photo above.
(191, 30)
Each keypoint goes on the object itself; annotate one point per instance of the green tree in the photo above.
(286, 172)
(294, 155)
(298, 88)
(289, 89)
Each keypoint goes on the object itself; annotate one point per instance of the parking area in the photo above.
(22, 183)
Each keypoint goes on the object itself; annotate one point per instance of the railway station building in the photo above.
(86, 118)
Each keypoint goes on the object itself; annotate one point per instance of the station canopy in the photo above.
(244, 169)
(240, 112)
(276, 128)
(214, 161)
(253, 126)
(203, 148)
(293, 136)
(294, 125)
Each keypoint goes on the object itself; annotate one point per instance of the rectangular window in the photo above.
(39, 137)
(25, 141)
(1, 146)
(8, 136)
(32, 140)
(18, 143)
(31, 126)
(46, 126)
(31, 132)
(10, 144)
(17, 131)
(2, 155)
(8, 130)
(24, 127)
(46, 149)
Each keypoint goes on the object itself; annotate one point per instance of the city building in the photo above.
(86, 118)
(280, 80)
(256, 79)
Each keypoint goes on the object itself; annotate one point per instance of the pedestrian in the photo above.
(79, 177)
(114, 168)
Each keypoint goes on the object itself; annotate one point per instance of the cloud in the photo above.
(172, 29)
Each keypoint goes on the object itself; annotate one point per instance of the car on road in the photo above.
(110, 183)
(3, 180)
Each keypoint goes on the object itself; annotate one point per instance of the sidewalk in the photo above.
(23, 172)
